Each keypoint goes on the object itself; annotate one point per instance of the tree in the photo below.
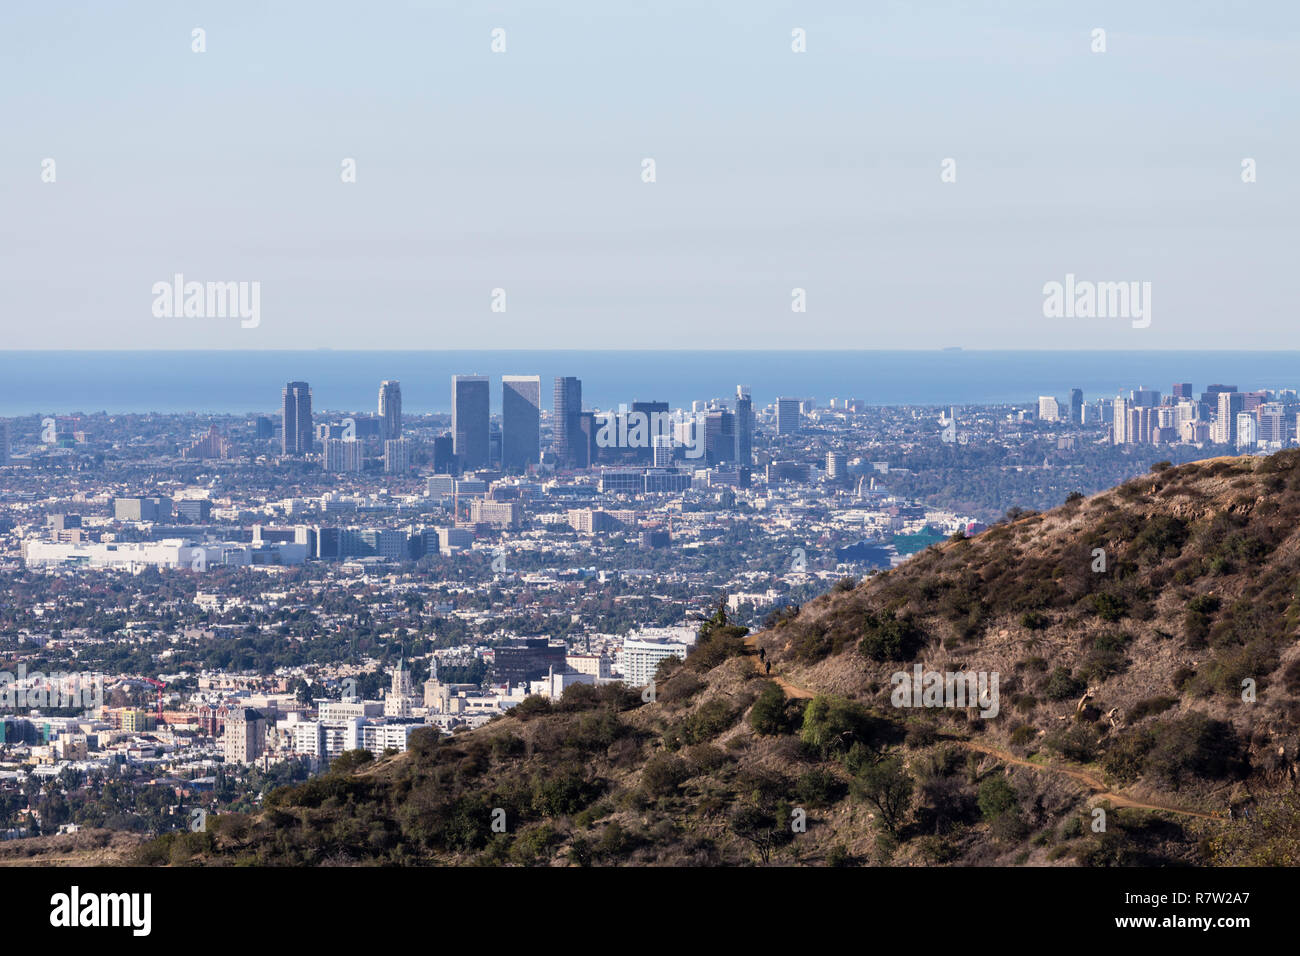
(350, 760)
(888, 787)
(834, 724)
(767, 716)
(886, 637)
(757, 826)
(423, 742)
(717, 641)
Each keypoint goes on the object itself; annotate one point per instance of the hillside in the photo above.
(1163, 688)
(85, 848)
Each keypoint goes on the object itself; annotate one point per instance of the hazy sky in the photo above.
(523, 170)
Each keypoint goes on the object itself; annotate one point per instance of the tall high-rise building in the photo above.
(719, 437)
(244, 737)
(4, 441)
(1211, 394)
(521, 418)
(1145, 397)
(342, 454)
(1119, 434)
(744, 427)
(1273, 423)
(656, 417)
(1182, 390)
(1247, 436)
(397, 456)
(444, 455)
(390, 409)
(663, 451)
(570, 449)
(1076, 406)
(1049, 409)
(787, 416)
(588, 447)
(1230, 405)
(296, 439)
(836, 464)
(470, 411)
(1141, 425)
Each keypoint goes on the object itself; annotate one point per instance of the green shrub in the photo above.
(663, 774)
(705, 723)
(1150, 706)
(997, 797)
(1109, 607)
(1024, 735)
(767, 716)
(818, 788)
(1034, 620)
(1062, 685)
(886, 637)
(1077, 742)
(831, 725)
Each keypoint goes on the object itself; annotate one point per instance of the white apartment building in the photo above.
(641, 658)
(1247, 431)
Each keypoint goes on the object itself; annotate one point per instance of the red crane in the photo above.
(160, 685)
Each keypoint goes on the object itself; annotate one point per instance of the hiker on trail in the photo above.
(769, 668)
(762, 654)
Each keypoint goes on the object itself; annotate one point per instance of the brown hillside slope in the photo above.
(1167, 678)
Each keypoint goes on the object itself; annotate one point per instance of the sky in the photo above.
(774, 170)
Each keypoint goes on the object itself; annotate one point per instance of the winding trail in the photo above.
(791, 690)
(1099, 789)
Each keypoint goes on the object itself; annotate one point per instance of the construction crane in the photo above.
(159, 685)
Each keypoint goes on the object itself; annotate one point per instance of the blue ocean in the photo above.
(240, 382)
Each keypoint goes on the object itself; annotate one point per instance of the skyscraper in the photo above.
(787, 416)
(656, 419)
(1272, 423)
(1119, 431)
(1076, 406)
(663, 451)
(1224, 431)
(521, 418)
(296, 439)
(397, 456)
(470, 405)
(587, 448)
(1247, 436)
(744, 427)
(390, 409)
(4, 441)
(1145, 397)
(444, 455)
(719, 437)
(569, 448)
(1182, 390)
